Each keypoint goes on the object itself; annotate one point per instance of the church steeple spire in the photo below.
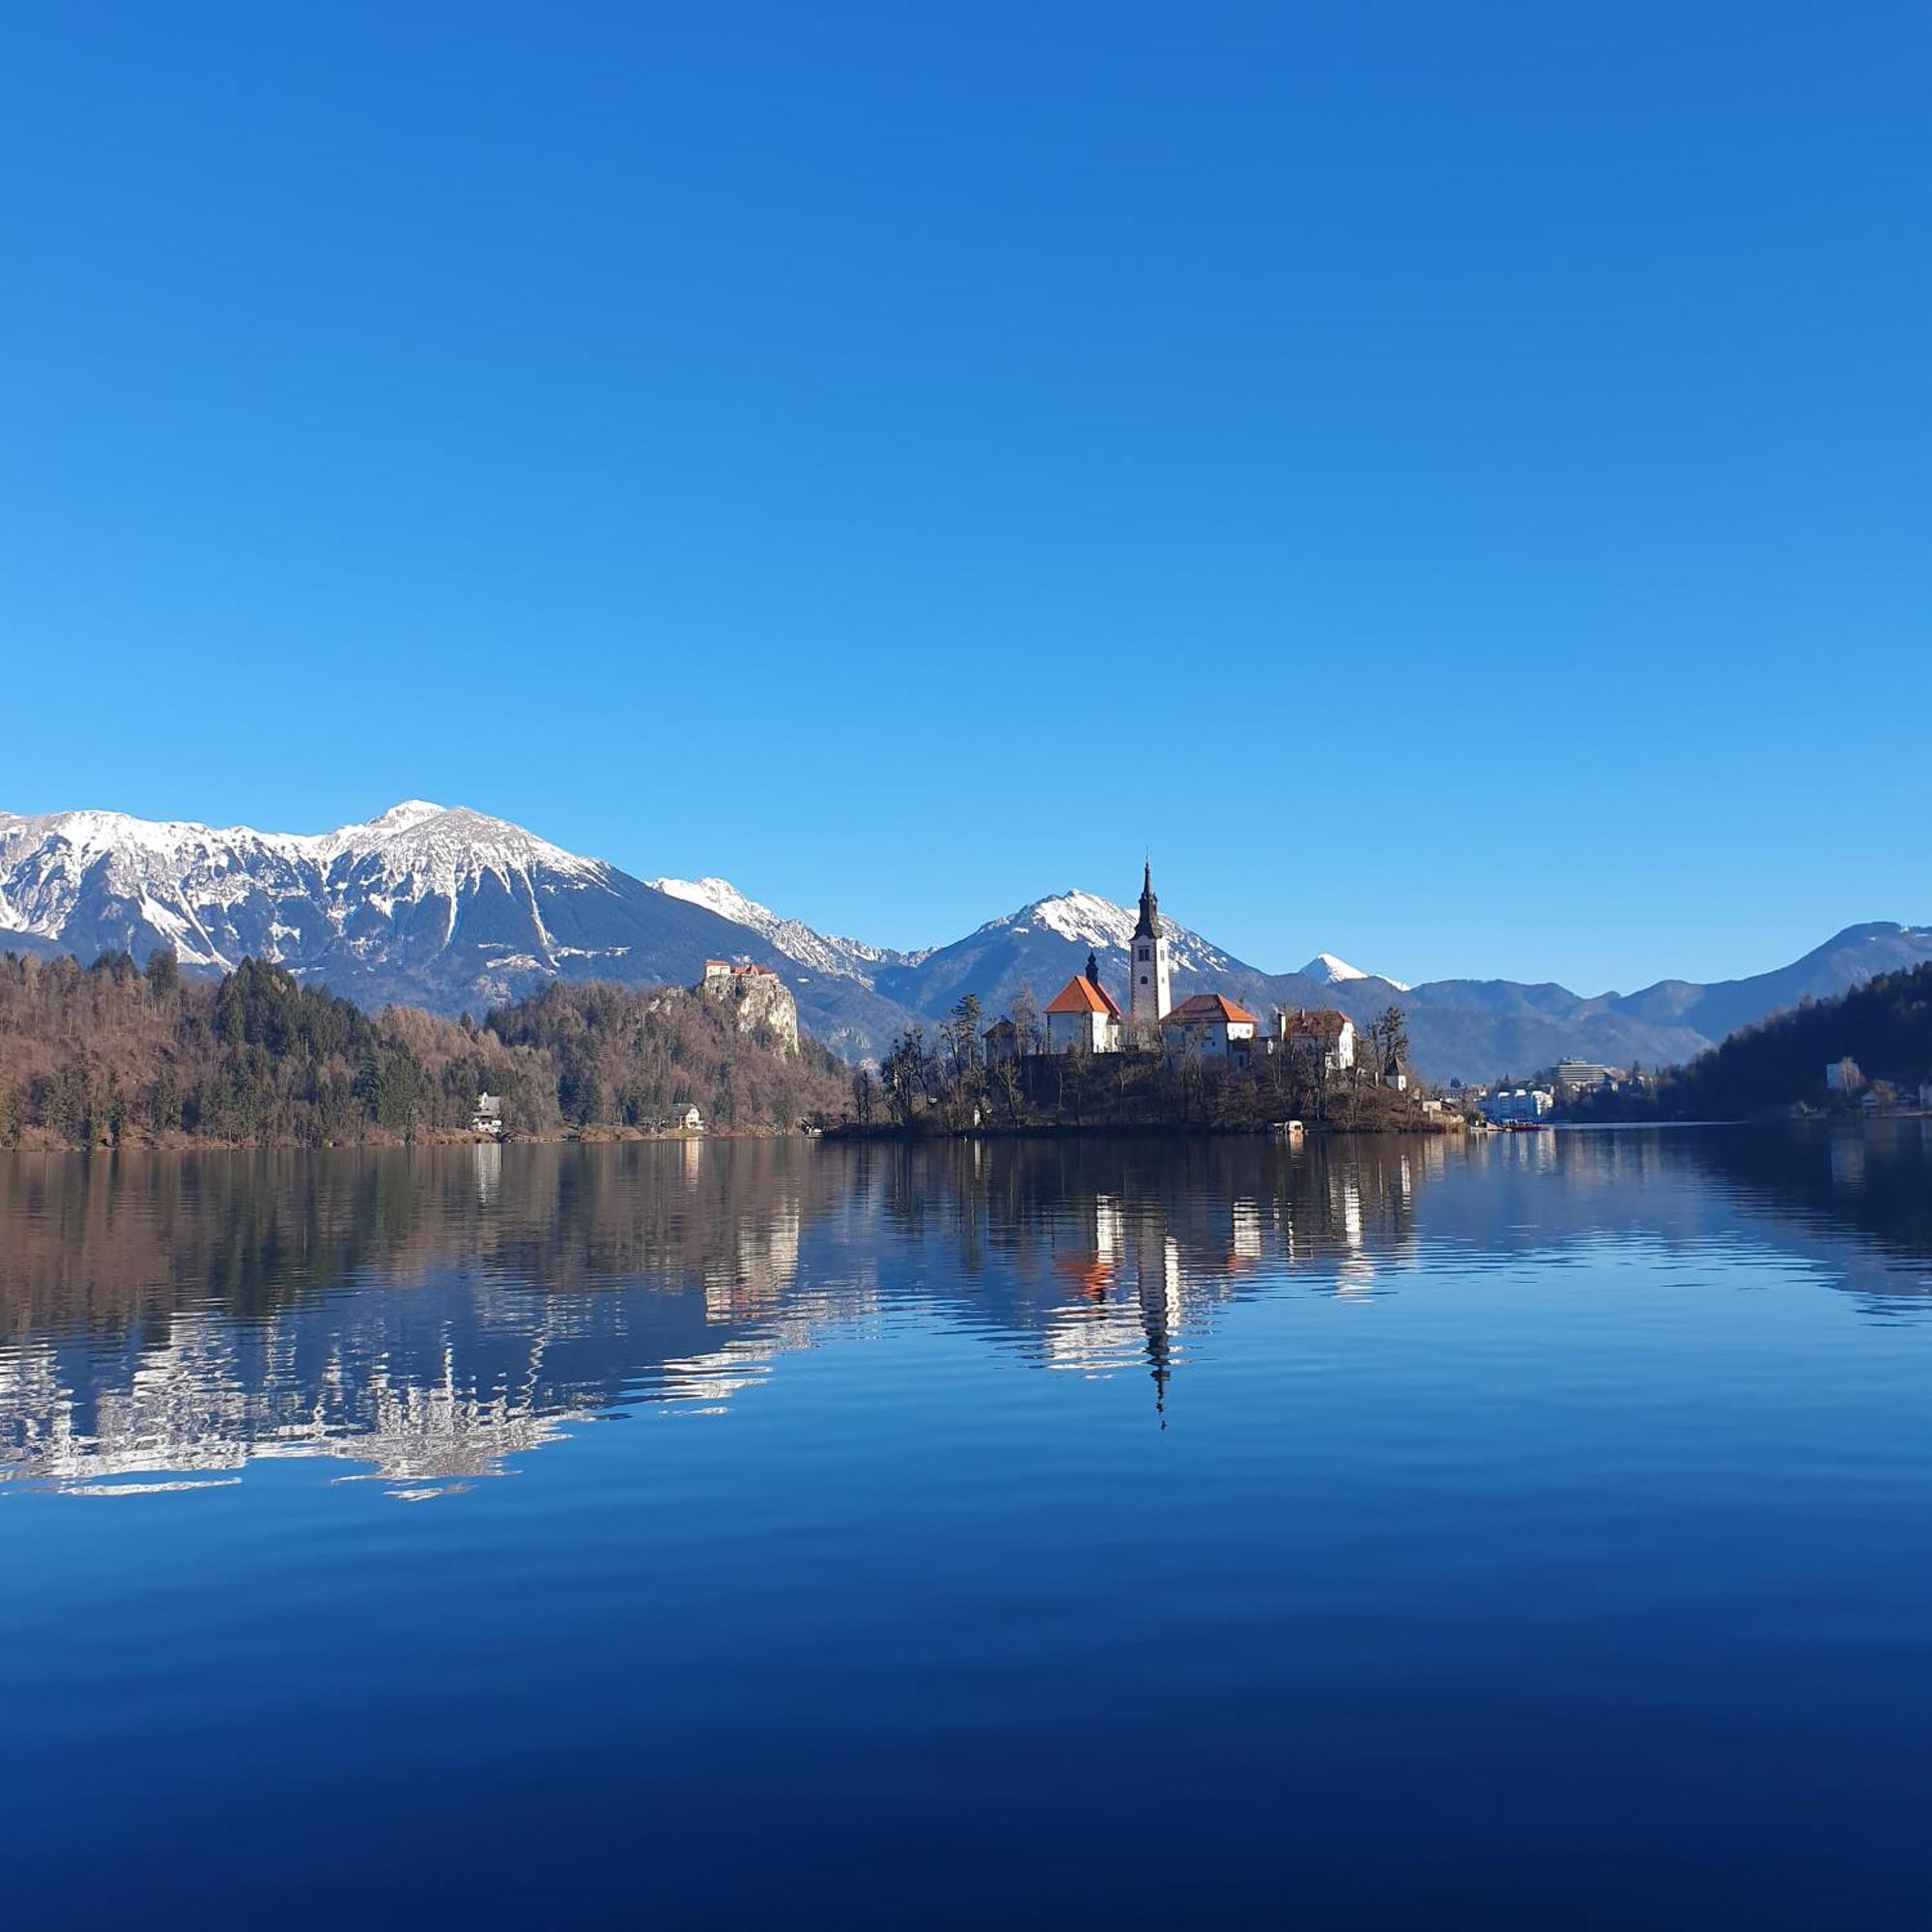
(1149, 925)
(1147, 990)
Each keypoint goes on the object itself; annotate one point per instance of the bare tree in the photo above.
(1024, 1012)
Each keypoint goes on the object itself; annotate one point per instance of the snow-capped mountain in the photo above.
(448, 908)
(1043, 945)
(440, 906)
(217, 895)
(444, 905)
(821, 951)
(1328, 971)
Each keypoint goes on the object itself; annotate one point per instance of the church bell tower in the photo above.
(1147, 990)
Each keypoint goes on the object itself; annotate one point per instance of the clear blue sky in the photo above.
(1455, 481)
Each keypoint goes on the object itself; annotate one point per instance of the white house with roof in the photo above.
(1083, 1016)
(1209, 1024)
(1324, 1037)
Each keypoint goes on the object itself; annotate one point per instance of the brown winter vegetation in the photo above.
(115, 1055)
(952, 1088)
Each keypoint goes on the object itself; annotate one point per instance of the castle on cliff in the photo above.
(760, 997)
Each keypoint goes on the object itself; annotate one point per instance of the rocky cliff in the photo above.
(763, 1000)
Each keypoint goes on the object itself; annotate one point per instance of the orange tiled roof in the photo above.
(1320, 1024)
(1207, 1009)
(1080, 995)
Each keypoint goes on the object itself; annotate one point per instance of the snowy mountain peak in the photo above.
(719, 895)
(105, 879)
(1333, 971)
(400, 817)
(822, 952)
(1085, 918)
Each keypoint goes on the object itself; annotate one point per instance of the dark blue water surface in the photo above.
(1527, 1532)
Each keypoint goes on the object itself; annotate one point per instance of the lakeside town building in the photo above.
(1518, 1106)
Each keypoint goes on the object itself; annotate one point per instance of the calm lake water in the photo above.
(1528, 1532)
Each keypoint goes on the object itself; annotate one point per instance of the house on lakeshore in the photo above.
(1324, 1036)
(686, 1120)
(1083, 1016)
(1211, 1025)
(1518, 1106)
(488, 1119)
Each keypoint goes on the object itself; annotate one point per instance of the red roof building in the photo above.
(1319, 1032)
(1208, 1010)
(1082, 995)
(1083, 1017)
(1209, 1023)
(1316, 1023)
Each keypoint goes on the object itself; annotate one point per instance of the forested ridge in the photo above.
(116, 1055)
(1879, 1034)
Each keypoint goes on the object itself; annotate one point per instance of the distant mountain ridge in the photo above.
(449, 908)
(822, 952)
(440, 906)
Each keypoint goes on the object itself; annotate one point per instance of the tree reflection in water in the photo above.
(427, 1313)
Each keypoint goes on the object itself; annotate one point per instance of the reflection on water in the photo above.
(1527, 1531)
(423, 1315)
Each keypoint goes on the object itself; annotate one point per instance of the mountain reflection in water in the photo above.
(424, 1315)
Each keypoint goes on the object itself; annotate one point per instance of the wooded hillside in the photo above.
(1883, 1029)
(115, 1055)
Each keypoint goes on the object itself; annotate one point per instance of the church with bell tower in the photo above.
(1085, 1017)
(1149, 994)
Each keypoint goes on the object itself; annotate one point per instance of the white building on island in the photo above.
(1149, 994)
(1083, 1016)
(1326, 1037)
(1209, 1024)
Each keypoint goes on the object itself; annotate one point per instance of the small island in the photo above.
(1085, 1063)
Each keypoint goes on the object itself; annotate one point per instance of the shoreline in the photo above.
(1421, 1127)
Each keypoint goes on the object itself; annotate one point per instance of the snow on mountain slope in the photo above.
(1087, 920)
(1329, 971)
(1041, 945)
(433, 905)
(822, 952)
(104, 878)
(449, 908)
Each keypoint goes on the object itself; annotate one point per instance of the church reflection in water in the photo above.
(423, 1315)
